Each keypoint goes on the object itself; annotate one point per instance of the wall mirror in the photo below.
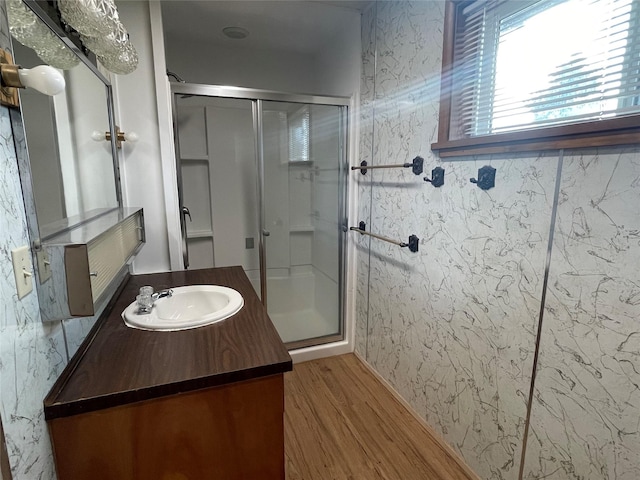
(73, 177)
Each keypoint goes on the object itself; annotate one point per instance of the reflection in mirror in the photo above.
(72, 175)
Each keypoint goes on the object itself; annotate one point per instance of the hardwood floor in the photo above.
(341, 423)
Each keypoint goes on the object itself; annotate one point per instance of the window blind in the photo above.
(299, 131)
(524, 65)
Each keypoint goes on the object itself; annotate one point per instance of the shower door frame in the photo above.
(257, 97)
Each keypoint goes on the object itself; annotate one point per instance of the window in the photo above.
(299, 135)
(532, 75)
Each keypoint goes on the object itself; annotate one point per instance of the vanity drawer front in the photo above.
(231, 432)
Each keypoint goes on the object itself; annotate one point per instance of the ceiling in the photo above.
(296, 26)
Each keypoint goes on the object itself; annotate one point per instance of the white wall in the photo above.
(217, 65)
(141, 163)
(334, 70)
(338, 65)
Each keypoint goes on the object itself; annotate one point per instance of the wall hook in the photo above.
(486, 178)
(437, 177)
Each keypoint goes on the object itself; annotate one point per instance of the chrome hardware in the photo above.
(162, 294)
(185, 212)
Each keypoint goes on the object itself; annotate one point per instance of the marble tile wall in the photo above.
(585, 421)
(32, 353)
(453, 327)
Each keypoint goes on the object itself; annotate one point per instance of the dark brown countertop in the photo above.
(118, 365)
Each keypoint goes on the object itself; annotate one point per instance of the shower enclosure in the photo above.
(262, 181)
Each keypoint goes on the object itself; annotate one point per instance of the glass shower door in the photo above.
(217, 167)
(303, 185)
(262, 184)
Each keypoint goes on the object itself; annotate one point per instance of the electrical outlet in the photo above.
(22, 270)
(44, 266)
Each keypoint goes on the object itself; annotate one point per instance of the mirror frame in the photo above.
(48, 14)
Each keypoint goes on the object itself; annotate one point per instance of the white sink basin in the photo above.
(189, 307)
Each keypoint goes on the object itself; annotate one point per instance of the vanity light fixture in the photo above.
(42, 78)
(121, 136)
(98, 24)
(28, 29)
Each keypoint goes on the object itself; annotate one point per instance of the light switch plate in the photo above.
(22, 270)
(44, 266)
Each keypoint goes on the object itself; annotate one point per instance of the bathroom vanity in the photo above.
(202, 403)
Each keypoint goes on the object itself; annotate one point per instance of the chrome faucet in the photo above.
(146, 300)
(161, 294)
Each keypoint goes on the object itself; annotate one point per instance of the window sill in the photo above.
(621, 131)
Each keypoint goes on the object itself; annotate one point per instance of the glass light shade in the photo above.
(100, 30)
(89, 17)
(110, 44)
(19, 14)
(114, 50)
(122, 62)
(59, 56)
(31, 32)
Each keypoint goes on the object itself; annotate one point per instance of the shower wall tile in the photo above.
(409, 57)
(584, 422)
(452, 327)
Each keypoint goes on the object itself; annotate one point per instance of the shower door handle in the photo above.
(183, 227)
(266, 233)
(185, 212)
